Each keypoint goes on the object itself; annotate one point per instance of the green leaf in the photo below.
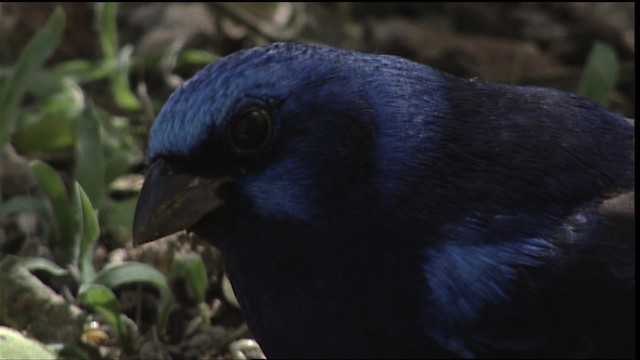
(55, 95)
(69, 351)
(119, 162)
(108, 28)
(89, 231)
(228, 293)
(75, 69)
(46, 265)
(35, 53)
(600, 73)
(24, 203)
(90, 167)
(66, 98)
(190, 266)
(196, 57)
(84, 71)
(54, 189)
(49, 124)
(118, 219)
(50, 133)
(14, 345)
(120, 148)
(120, 82)
(102, 300)
(131, 272)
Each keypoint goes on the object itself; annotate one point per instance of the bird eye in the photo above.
(250, 131)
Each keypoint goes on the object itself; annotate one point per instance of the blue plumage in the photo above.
(368, 206)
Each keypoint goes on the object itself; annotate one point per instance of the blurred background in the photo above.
(81, 84)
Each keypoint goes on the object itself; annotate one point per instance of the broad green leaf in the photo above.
(132, 272)
(600, 73)
(90, 166)
(15, 345)
(54, 189)
(102, 300)
(49, 125)
(35, 53)
(89, 231)
(49, 133)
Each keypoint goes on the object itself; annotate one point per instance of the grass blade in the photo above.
(53, 187)
(600, 74)
(89, 231)
(90, 166)
(35, 53)
(130, 272)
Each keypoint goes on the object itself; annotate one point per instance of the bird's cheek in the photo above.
(278, 199)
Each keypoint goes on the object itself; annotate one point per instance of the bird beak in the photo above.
(170, 202)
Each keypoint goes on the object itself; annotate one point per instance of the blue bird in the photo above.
(369, 206)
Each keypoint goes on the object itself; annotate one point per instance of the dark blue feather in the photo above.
(400, 211)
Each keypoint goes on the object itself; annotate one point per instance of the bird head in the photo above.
(270, 153)
(285, 132)
(263, 122)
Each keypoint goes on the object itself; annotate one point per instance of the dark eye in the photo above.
(250, 131)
